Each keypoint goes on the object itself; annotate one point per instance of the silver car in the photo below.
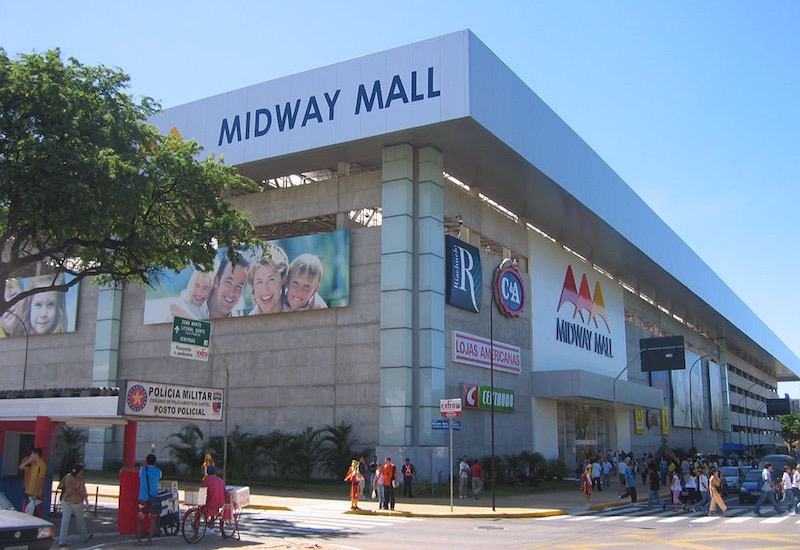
(732, 479)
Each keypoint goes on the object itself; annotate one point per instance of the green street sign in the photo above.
(190, 339)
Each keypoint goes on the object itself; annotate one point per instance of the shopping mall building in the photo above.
(405, 179)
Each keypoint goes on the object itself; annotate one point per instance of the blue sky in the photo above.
(694, 104)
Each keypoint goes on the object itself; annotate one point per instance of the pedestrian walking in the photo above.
(768, 487)
(655, 487)
(788, 500)
(73, 500)
(476, 474)
(597, 472)
(714, 485)
(702, 488)
(676, 489)
(586, 486)
(463, 477)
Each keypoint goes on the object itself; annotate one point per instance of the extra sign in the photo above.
(450, 407)
(190, 339)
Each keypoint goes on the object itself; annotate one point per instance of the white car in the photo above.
(20, 531)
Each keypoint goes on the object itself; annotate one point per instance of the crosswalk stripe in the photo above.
(776, 519)
(640, 519)
(705, 519)
(670, 520)
(740, 519)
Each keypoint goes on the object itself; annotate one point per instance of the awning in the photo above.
(582, 386)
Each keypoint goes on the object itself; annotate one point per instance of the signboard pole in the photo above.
(450, 422)
(225, 438)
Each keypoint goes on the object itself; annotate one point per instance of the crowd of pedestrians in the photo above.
(695, 483)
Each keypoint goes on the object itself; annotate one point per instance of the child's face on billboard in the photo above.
(300, 289)
(200, 292)
(44, 309)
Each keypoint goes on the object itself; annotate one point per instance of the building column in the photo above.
(397, 290)
(430, 277)
(412, 296)
(104, 369)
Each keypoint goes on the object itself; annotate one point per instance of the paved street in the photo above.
(541, 521)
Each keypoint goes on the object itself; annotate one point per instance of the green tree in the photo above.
(790, 429)
(70, 442)
(89, 189)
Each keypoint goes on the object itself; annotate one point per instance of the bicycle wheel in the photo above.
(230, 527)
(193, 526)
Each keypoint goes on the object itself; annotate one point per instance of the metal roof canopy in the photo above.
(89, 412)
(497, 134)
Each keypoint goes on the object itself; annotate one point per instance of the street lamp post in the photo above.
(497, 271)
(691, 401)
(746, 416)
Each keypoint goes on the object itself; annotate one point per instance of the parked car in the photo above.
(731, 478)
(750, 489)
(18, 530)
(778, 462)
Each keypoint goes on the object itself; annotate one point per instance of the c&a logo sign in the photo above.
(583, 301)
(589, 307)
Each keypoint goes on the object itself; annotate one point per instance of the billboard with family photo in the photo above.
(48, 312)
(285, 275)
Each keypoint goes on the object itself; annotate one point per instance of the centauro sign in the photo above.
(153, 399)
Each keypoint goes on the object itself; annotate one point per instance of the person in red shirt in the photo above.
(476, 471)
(389, 483)
(215, 494)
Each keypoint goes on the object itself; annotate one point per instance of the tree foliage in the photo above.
(790, 429)
(89, 189)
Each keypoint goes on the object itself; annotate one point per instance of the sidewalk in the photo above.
(553, 503)
(542, 504)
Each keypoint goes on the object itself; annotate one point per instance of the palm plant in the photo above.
(337, 447)
(305, 452)
(189, 449)
(277, 449)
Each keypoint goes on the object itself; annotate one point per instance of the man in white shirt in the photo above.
(788, 499)
(463, 477)
(767, 491)
(597, 471)
(702, 486)
(607, 467)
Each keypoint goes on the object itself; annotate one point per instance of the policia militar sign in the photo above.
(157, 400)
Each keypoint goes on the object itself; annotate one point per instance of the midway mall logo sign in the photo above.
(582, 329)
(323, 108)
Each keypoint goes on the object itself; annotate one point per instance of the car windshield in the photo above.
(4, 503)
(752, 475)
(728, 471)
